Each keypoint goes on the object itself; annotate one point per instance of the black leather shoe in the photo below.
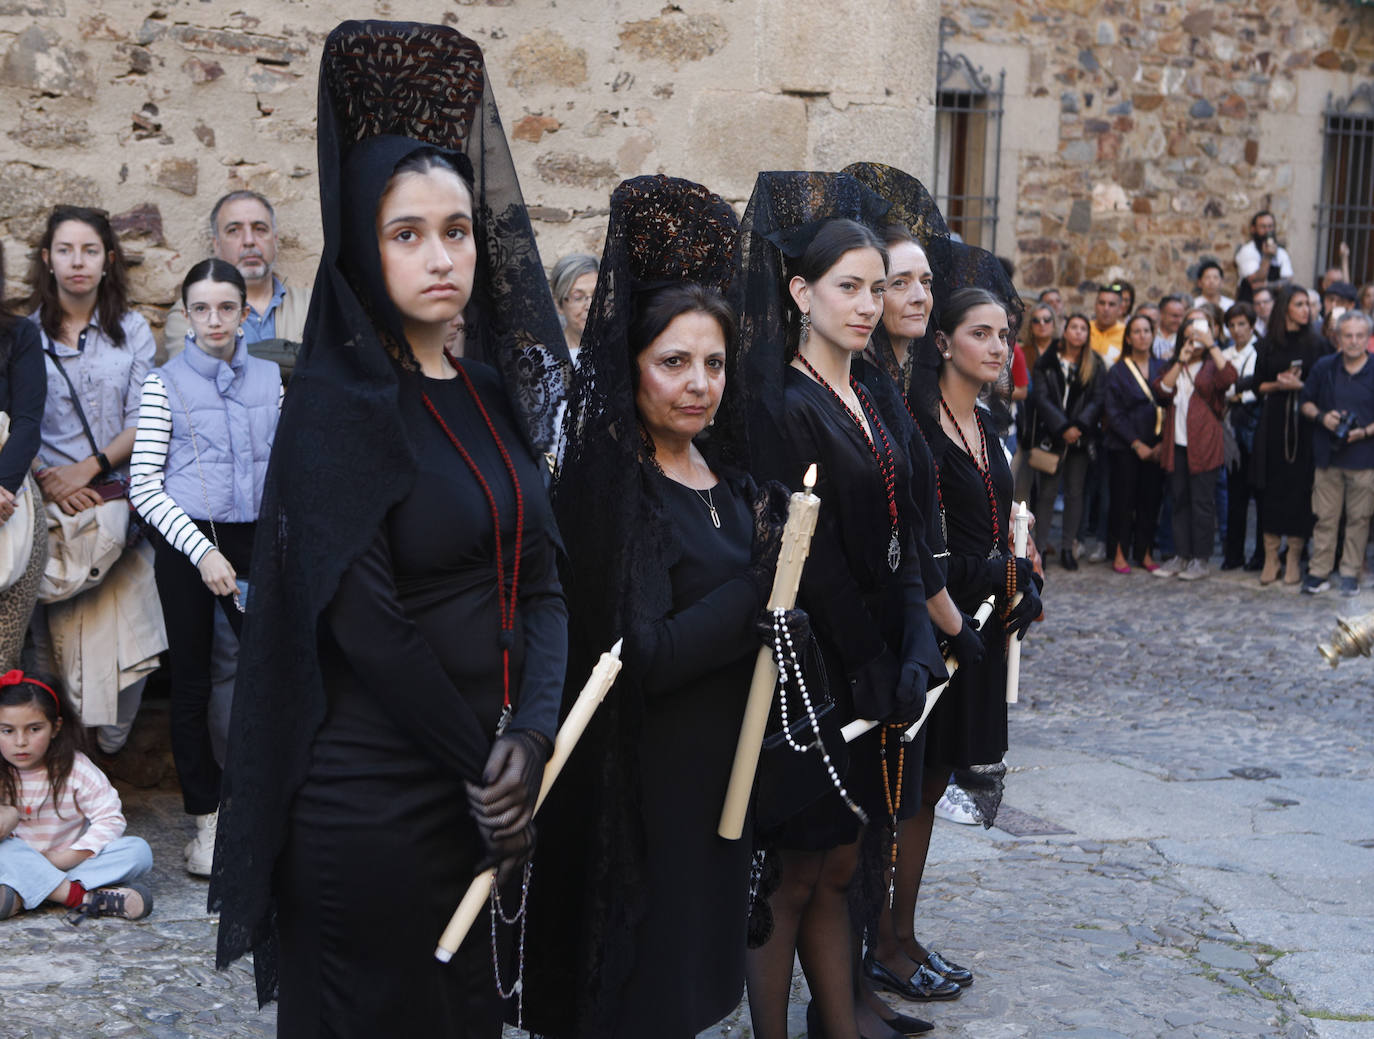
(901, 1024)
(1232, 564)
(923, 986)
(961, 976)
(1255, 563)
(1068, 560)
(904, 1024)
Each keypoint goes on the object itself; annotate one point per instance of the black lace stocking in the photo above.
(811, 920)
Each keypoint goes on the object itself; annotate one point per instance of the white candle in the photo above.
(951, 665)
(588, 700)
(1020, 526)
(796, 543)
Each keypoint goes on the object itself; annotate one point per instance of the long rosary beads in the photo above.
(517, 989)
(984, 470)
(506, 602)
(887, 464)
(894, 805)
(788, 661)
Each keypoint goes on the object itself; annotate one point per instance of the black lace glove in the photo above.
(967, 644)
(796, 623)
(1025, 612)
(770, 516)
(508, 854)
(504, 803)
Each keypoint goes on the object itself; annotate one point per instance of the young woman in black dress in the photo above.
(638, 906)
(862, 585)
(968, 727)
(404, 650)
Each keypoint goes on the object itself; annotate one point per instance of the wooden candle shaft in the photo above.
(598, 684)
(796, 542)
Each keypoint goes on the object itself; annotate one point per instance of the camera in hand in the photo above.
(1342, 431)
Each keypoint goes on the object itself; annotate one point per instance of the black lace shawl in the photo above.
(588, 894)
(953, 266)
(342, 458)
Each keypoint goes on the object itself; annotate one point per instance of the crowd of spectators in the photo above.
(1153, 427)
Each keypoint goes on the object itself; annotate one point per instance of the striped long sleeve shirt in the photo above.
(147, 467)
(86, 817)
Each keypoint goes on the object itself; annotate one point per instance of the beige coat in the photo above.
(109, 636)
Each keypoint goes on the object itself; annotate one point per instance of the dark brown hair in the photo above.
(657, 308)
(112, 292)
(66, 740)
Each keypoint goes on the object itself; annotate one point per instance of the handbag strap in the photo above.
(1145, 389)
(76, 399)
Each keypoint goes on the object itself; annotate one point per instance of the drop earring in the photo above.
(805, 330)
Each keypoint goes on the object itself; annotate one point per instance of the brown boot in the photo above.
(1292, 567)
(1270, 573)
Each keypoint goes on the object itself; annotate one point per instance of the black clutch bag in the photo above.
(790, 780)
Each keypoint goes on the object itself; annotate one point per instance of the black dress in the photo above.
(1283, 466)
(870, 622)
(969, 724)
(381, 844)
(694, 668)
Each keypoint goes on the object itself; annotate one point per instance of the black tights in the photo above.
(897, 947)
(810, 920)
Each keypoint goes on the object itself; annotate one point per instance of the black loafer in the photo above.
(923, 986)
(961, 976)
(904, 1024)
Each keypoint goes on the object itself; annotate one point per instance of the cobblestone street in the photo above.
(1216, 878)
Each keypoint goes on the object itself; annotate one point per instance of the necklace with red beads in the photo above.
(506, 599)
(984, 469)
(886, 460)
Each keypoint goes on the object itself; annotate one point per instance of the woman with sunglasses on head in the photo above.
(98, 350)
(205, 430)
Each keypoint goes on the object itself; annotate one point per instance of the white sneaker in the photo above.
(1172, 568)
(1098, 554)
(956, 806)
(200, 852)
(1194, 571)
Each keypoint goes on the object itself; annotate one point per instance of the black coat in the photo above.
(1052, 413)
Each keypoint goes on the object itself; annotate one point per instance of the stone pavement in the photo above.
(1216, 879)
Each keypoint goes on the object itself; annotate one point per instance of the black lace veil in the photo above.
(341, 458)
(954, 265)
(782, 212)
(620, 547)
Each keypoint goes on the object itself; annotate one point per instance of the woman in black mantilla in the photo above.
(638, 907)
(968, 727)
(404, 650)
(813, 288)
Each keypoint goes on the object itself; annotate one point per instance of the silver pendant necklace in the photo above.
(709, 501)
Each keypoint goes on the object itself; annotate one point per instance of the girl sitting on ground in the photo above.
(61, 824)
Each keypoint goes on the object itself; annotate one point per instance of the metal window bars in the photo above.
(1346, 211)
(968, 144)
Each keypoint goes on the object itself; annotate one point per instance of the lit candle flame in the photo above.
(809, 480)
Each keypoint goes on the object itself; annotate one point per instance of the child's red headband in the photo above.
(18, 677)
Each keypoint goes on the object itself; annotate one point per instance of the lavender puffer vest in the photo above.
(234, 409)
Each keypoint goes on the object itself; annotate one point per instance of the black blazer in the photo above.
(1053, 415)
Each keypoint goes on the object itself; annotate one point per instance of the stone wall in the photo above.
(154, 108)
(1142, 134)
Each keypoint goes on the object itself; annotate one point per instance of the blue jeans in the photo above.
(35, 878)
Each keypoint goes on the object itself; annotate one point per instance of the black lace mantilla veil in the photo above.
(342, 457)
(620, 547)
(779, 221)
(953, 265)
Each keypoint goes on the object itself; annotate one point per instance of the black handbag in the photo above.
(790, 780)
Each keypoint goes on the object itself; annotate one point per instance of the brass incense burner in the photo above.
(1352, 638)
